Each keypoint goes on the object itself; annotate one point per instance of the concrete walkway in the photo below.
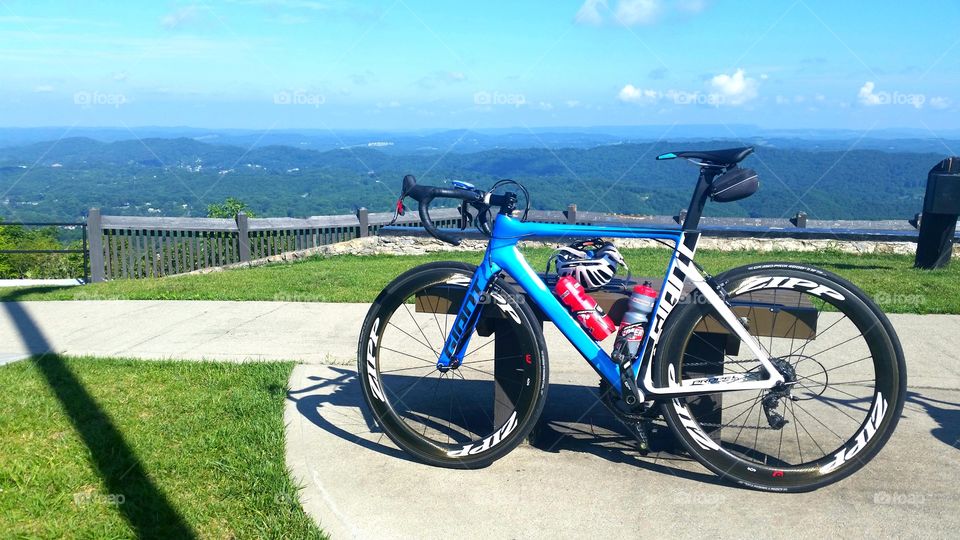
(582, 479)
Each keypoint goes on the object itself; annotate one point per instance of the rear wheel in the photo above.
(467, 416)
(843, 365)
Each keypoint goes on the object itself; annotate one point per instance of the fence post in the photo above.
(917, 220)
(243, 236)
(95, 245)
(363, 216)
(571, 214)
(800, 220)
(681, 217)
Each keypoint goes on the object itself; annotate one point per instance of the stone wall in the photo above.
(414, 245)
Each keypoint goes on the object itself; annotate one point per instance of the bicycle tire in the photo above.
(711, 444)
(394, 334)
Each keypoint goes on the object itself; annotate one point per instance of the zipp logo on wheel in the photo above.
(846, 454)
(776, 282)
(375, 385)
(489, 442)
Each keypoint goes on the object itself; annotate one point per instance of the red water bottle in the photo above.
(597, 323)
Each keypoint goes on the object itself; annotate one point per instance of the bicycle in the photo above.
(772, 413)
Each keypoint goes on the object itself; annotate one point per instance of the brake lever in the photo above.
(465, 217)
(483, 221)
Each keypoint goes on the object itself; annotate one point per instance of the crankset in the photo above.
(636, 418)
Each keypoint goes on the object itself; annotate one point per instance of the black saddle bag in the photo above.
(734, 185)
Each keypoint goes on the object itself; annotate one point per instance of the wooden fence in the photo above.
(127, 247)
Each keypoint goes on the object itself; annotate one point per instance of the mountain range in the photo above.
(829, 178)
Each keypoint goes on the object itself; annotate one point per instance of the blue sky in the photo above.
(410, 64)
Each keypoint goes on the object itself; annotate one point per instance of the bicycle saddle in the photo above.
(720, 158)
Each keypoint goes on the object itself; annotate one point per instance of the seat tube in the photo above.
(699, 200)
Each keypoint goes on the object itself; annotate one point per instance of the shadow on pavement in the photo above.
(346, 392)
(146, 508)
(947, 415)
(573, 420)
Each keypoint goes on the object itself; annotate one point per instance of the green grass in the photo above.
(95, 448)
(889, 279)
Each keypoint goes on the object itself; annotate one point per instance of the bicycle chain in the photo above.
(696, 364)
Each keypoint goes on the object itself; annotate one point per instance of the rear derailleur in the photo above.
(771, 401)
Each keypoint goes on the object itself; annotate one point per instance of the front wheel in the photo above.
(467, 416)
(844, 370)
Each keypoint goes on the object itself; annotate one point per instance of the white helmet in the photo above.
(591, 262)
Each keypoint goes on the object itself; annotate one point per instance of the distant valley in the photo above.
(180, 176)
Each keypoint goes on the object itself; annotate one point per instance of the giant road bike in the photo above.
(775, 376)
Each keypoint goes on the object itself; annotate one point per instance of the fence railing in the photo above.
(64, 251)
(141, 247)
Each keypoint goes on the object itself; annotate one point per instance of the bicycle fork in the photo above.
(451, 356)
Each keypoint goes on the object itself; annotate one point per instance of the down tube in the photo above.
(511, 261)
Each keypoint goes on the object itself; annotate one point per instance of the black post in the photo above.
(86, 256)
(243, 236)
(941, 206)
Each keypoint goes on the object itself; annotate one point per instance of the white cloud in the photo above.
(632, 94)
(940, 102)
(736, 89)
(120, 76)
(869, 96)
(572, 103)
(545, 106)
(721, 90)
(866, 95)
(589, 12)
(634, 12)
(43, 89)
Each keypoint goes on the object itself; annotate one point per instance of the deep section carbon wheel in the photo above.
(843, 365)
(466, 416)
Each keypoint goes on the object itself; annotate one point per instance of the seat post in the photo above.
(699, 200)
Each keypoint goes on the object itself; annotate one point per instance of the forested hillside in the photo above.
(178, 177)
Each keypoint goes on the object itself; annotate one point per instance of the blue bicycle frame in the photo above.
(502, 255)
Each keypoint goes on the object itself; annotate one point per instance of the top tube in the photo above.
(509, 230)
